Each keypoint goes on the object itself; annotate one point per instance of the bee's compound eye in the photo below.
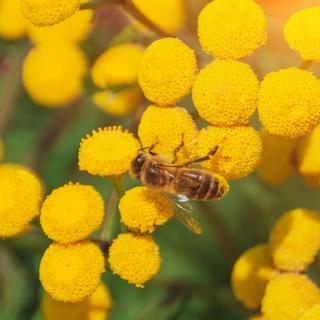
(137, 163)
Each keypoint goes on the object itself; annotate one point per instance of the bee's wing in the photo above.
(184, 212)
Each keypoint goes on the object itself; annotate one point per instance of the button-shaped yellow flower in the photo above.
(167, 71)
(95, 307)
(311, 314)
(71, 213)
(251, 273)
(288, 296)
(289, 103)
(277, 161)
(226, 93)
(232, 29)
(295, 240)
(21, 195)
(134, 258)
(142, 209)
(70, 273)
(239, 150)
(108, 151)
(302, 33)
(168, 129)
(118, 65)
(49, 12)
(52, 73)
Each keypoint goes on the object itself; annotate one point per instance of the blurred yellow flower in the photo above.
(134, 258)
(167, 71)
(70, 273)
(108, 151)
(232, 29)
(311, 314)
(21, 194)
(226, 93)
(289, 103)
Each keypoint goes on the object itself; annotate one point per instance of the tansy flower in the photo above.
(53, 72)
(288, 296)
(48, 12)
(311, 314)
(71, 213)
(118, 65)
(302, 33)
(108, 151)
(95, 307)
(295, 240)
(70, 273)
(226, 93)
(142, 209)
(20, 194)
(160, 11)
(308, 155)
(169, 129)
(289, 103)
(251, 273)
(167, 71)
(277, 161)
(232, 29)
(12, 23)
(239, 150)
(134, 258)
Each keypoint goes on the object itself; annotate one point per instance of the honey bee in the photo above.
(181, 180)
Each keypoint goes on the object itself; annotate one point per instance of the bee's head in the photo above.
(137, 164)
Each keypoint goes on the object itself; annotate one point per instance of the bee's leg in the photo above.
(177, 149)
(149, 149)
(207, 157)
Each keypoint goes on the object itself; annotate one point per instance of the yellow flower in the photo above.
(21, 194)
(108, 151)
(168, 15)
(134, 258)
(251, 273)
(311, 314)
(308, 155)
(142, 209)
(167, 71)
(12, 23)
(239, 150)
(277, 161)
(295, 240)
(168, 128)
(118, 103)
(52, 73)
(95, 307)
(49, 12)
(226, 93)
(289, 103)
(302, 33)
(232, 29)
(70, 273)
(288, 296)
(117, 65)
(74, 29)
(71, 213)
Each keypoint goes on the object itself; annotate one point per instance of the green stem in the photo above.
(118, 186)
(109, 219)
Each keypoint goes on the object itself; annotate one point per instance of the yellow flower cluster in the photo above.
(311, 314)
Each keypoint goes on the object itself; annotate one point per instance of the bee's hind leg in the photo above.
(177, 149)
(210, 154)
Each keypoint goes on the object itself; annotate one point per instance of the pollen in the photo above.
(288, 296)
(226, 93)
(289, 104)
(71, 213)
(311, 314)
(21, 195)
(118, 65)
(302, 33)
(48, 12)
(251, 273)
(134, 258)
(295, 240)
(108, 151)
(167, 71)
(277, 161)
(239, 150)
(170, 130)
(142, 209)
(232, 29)
(70, 273)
